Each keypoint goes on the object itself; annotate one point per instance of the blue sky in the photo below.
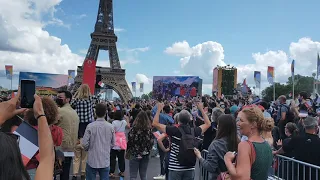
(241, 28)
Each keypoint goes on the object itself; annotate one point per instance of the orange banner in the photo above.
(89, 74)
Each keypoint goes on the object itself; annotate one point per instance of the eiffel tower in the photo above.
(103, 38)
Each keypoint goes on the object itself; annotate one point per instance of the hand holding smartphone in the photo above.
(28, 89)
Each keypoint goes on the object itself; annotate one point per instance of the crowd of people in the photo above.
(241, 137)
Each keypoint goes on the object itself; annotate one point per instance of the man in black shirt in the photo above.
(305, 148)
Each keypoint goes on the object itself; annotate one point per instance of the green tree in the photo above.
(301, 83)
(280, 89)
(145, 96)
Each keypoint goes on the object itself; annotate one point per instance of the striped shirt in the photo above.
(175, 135)
(98, 140)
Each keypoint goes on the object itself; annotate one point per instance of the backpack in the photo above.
(188, 142)
(289, 115)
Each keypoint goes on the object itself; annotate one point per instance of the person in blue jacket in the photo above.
(165, 118)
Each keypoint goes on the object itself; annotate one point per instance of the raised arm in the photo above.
(155, 123)
(46, 151)
(207, 122)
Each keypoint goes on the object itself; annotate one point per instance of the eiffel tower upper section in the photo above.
(103, 37)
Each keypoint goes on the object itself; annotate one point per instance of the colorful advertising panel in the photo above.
(46, 84)
(171, 86)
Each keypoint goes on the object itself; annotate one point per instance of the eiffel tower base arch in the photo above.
(110, 77)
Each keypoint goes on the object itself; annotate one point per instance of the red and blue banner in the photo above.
(134, 86)
(257, 78)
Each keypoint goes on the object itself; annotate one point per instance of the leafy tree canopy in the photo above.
(302, 83)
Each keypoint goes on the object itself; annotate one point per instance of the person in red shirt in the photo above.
(182, 91)
(193, 92)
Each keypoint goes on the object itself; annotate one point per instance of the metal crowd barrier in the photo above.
(292, 169)
(204, 174)
(285, 169)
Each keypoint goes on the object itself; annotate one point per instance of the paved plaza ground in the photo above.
(153, 170)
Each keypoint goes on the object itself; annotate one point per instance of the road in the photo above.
(153, 170)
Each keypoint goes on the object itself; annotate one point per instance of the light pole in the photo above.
(314, 82)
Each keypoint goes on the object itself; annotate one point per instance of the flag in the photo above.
(9, 71)
(141, 87)
(318, 66)
(292, 68)
(28, 142)
(89, 74)
(244, 86)
(101, 84)
(133, 86)
(257, 78)
(71, 76)
(270, 74)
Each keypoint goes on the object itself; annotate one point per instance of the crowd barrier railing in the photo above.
(292, 169)
(204, 174)
(284, 169)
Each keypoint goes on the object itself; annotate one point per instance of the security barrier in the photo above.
(204, 174)
(285, 169)
(292, 169)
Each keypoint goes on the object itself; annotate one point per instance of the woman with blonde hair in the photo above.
(268, 125)
(84, 103)
(255, 150)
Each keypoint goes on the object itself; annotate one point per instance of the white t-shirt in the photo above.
(119, 126)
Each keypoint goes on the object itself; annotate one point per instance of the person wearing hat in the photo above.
(305, 148)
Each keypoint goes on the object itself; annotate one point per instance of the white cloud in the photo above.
(176, 72)
(277, 59)
(117, 30)
(179, 49)
(206, 89)
(81, 16)
(304, 52)
(198, 60)
(144, 49)
(134, 50)
(26, 45)
(57, 22)
(141, 78)
(129, 61)
(201, 59)
(123, 63)
(83, 51)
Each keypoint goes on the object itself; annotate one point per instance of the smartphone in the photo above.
(28, 89)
